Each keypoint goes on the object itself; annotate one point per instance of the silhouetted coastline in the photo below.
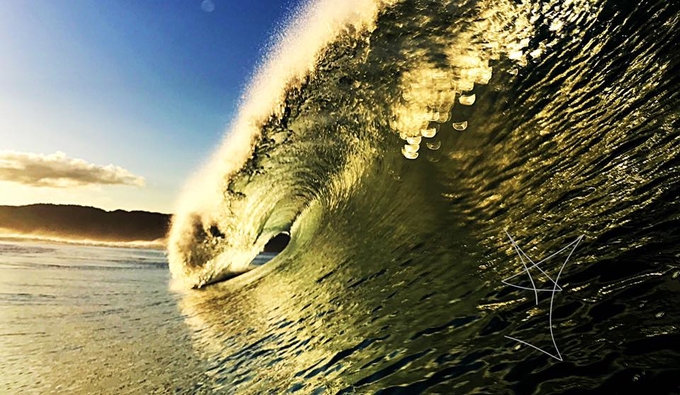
(80, 222)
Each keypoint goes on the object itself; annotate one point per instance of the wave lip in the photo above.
(207, 239)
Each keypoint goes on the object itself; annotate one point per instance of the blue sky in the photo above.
(147, 86)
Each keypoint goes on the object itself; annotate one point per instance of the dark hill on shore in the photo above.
(71, 221)
(89, 223)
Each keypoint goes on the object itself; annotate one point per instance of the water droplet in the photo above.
(442, 116)
(484, 76)
(556, 25)
(429, 133)
(460, 126)
(435, 145)
(411, 147)
(536, 53)
(408, 152)
(467, 100)
(414, 140)
(515, 55)
(466, 85)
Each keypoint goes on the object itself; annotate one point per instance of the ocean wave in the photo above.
(399, 155)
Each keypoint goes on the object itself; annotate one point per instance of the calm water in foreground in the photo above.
(78, 320)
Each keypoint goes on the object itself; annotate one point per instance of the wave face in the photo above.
(397, 142)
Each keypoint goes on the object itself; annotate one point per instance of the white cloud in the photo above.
(58, 170)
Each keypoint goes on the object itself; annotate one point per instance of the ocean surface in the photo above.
(90, 320)
(482, 198)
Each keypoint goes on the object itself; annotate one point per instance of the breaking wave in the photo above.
(397, 142)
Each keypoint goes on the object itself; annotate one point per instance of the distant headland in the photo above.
(91, 225)
(72, 222)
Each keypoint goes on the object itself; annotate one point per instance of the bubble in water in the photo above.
(428, 133)
(433, 146)
(467, 100)
(460, 126)
(208, 6)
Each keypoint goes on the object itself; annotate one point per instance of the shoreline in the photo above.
(158, 244)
